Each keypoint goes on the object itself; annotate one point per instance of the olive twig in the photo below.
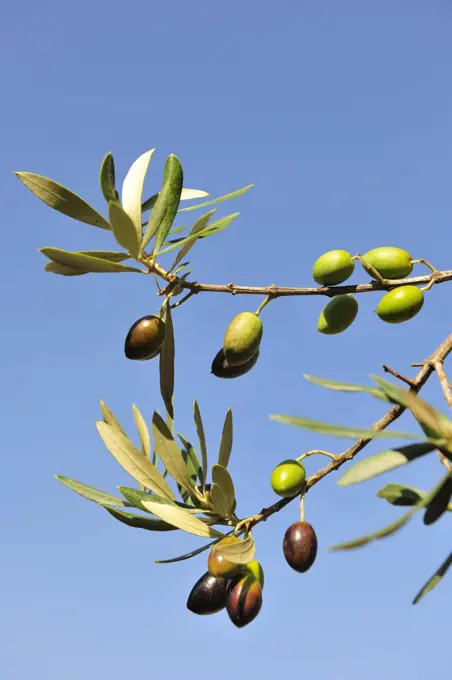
(396, 374)
(315, 452)
(442, 377)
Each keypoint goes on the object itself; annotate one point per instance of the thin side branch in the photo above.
(445, 385)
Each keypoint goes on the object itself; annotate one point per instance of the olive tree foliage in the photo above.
(175, 487)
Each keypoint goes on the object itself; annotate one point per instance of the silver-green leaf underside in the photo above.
(132, 191)
(143, 431)
(239, 553)
(222, 478)
(86, 263)
(181, 519)
(186, 195)
(346, 387)
(140, 521)
(339, 430)
(90, 493)
(169, 452)
(124, 229)
(220, 199)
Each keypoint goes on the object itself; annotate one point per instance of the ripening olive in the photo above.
(300, 546)
(400, 304)
(244, 600)
(288, 478)
(208, 595)
(390, 262)
(145, 338)
(254, 568)
(242, 338)
(218, 565)
(337, 315)
(222, 369)
(333, 267)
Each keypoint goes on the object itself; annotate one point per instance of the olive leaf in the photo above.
(220, 199)
(173, 179)
(222, 479)
(398, 524)
(435, 579)
(199, 226)
(132, 191)
(133, 461)
(54, 268)
(143, 431)
(191, 460)
(166, 364)
(219, 500)
(383, 462)
(434, 423)
(186, 195)
(400, 494)
(107, 179)
(136, 497)
(192, 553)
(238, 553)
(346, 387)
(110, 419)
(202, 439)
(439, 504)
(62, 199)
(111, 255)
(140, 521)
(90, 493)
(226, 440)
(86, 263)
(210, 230)
(339, 430)
(181, 519)
(123, 228)
(169, 452)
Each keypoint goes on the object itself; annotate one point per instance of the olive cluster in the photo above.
(389, 263)
(236, 587)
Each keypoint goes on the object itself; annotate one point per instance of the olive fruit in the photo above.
(145, 338)
(333, 267)
(254, 568)
(400, 304)
(244, 600)
(288, 478)
(242, 338)
(300, 546)
(390, 262)
(222, 369)
(218, 565)
(208, 595)
(337, 315)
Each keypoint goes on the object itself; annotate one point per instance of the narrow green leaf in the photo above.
(219, 500)
(220, 199)
(90, 493)
(85, 263)
(434, 580)
(400, 494)
(62, 199)
(181, 519)
(140, 521)
(133, 461)
(222, 478)
(190, 554)
(394, 526)
(123, 228)
(136, 498)
(173, 177)
(210, 230)
(199, 226)
(186, 195)
(166, 365)
(54, 268)
(201, 437)
(177, 230)
(383, 462)
(239, 553)
(169, 452)
(111, 255)
(157, 215)
(110, 419)
(340, 431)
(107, 179)
(132, 192)
(191, 460)
(226, 441)
(143, 431)
(438, 505)
(346, 387)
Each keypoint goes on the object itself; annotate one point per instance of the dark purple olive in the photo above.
(222, 369)
(208, 595)
(244, 600)
(300, 546)
(145, 338)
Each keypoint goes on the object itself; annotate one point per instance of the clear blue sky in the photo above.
(340, 113)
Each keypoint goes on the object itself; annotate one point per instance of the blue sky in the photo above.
(340, 114)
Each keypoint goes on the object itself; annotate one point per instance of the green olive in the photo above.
(218, 565)
(242, 338)
(288, 478)
(337, 315)
(145, 338)
(390, 262)
(333, 267)
(400, 304)
(255, 569)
